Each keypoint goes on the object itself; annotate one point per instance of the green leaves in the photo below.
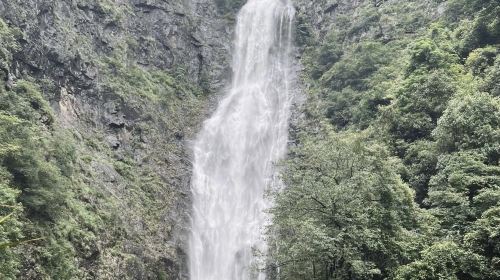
(481, 59)
(8, 44)
(484, 239)
(443, 260)
(355, 67)
(423, 87)
(491, 81)
(425, 54)
(36, 160)
(10, 227)
(420, 101)
(344, 209)
(470, 122)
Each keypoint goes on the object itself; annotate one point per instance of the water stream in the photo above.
(235, 153)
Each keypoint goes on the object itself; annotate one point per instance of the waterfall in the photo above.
(236, 150)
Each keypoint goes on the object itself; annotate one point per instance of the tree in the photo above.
(463, 188)
(443, 260)
(345, 213)
(491, 82)
(471, 122)
(484, 239)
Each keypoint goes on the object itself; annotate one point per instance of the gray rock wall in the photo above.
(63, 39)
(131, 80)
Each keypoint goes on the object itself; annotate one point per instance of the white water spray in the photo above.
(235, 152)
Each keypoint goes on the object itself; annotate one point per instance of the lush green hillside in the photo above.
(396, 172)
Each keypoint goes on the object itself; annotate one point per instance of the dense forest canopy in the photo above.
(395, 174)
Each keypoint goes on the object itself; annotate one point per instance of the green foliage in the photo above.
(37, 211)
(420, 161)
(483, 30)
(462, 189)
(424, 89)
(355, 67)
(7, 46)
(491, 82)
(325, 57)
(444, 260)
(426, 54)
(345, 212)
(10, 227)
(303, 31)
(10, 210)
(481, 59)
(36, 161)
(348, 83)
(421, 100)
(178, 97)
(484, 239)
(149, 84)
(471, 122)
(469, 7)
(26, 102)
(38, 176)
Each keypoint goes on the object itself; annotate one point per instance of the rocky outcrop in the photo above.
(65, 39)
(130, 80)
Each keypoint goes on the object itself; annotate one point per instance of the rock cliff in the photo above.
(129, 81)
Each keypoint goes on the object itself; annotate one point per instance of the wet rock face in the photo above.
(62, 39)
(132, 140)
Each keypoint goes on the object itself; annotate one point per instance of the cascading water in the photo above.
(235, 152)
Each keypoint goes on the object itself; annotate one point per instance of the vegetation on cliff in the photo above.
(395, 174)
(58, 218)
